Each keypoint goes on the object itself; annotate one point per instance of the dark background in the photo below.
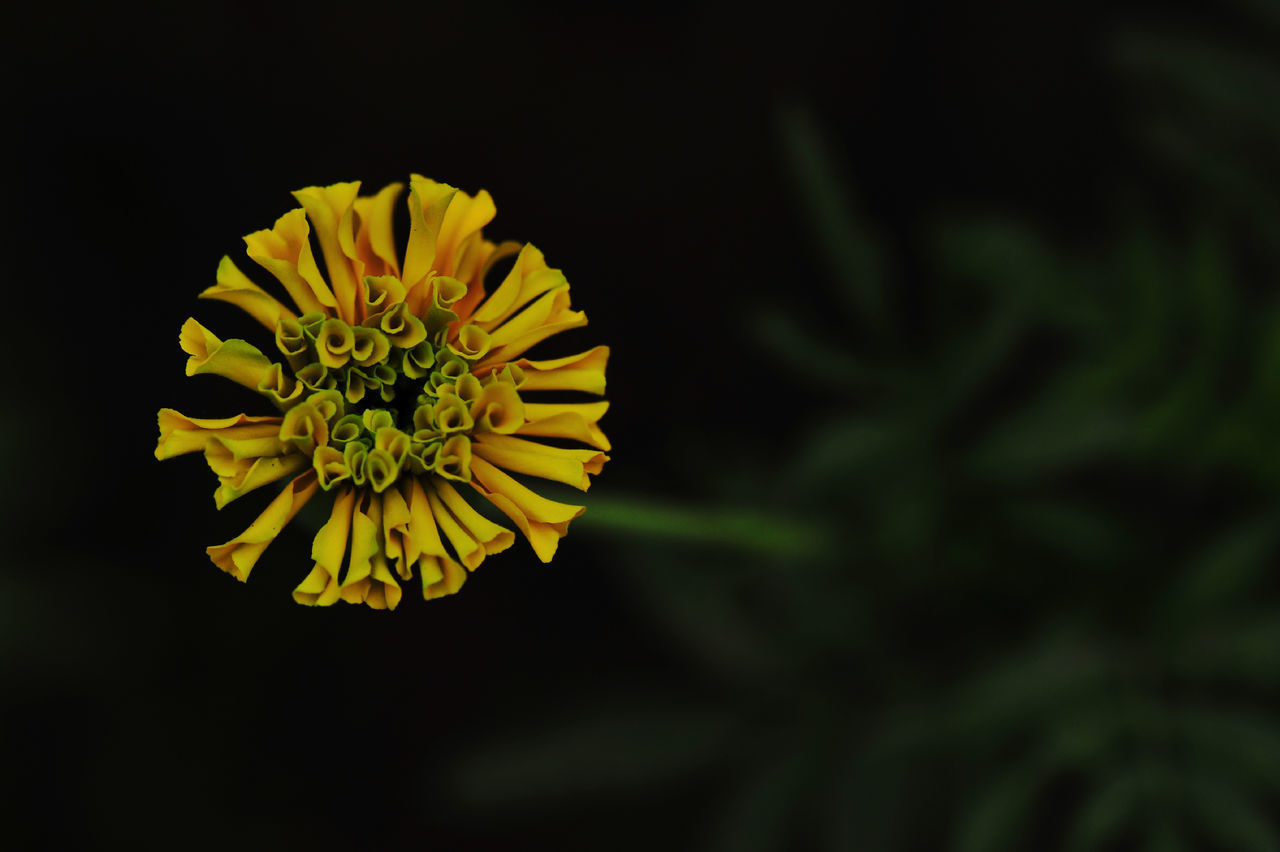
(946, 392)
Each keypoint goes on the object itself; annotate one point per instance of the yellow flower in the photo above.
(403, 391)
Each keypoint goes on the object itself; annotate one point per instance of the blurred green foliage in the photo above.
(1013, 586)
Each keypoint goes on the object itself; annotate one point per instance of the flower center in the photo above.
(394, 394)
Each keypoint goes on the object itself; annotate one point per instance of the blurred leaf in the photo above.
(756, 816)
(608, 752)
(1230, 817)
(1107, 810)
(1224, 570)
(841, 449)
(1047, 675)
(1012, 264)
(743, 529)
(997, 817)
(1051, 438)
(1242, 647)
(814, 358)
(1242, 743)
(710, 623)
(1087, 534)
(849, 250)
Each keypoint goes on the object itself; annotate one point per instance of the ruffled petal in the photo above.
(366, 517)
(235, 287)
(238, 556)
(239, 476)
(182, 434)
(285, 252)
(328, 549)
(237, 360)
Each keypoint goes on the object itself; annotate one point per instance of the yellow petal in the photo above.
(470, 342)
(246, 474)
(544, 538)
(545, 317)
(576, 421)
(305, 427)
(334, 343)
(469, 551)
(451, 577)
(238, 556)
(422, 526)
(498, 408)
(428, 201)
(237, 360)
(374, 238)
(330, 209)
(494, 538)
(529, 457)
(181, 434)
(365, 519)
(235, 287)
(328, 549)
(400, 545)
(454, 461)
(534, 506)
(381, 294)
(529, 277)
(476, 259)
(329, 466)
(582, 372)
(463, 219)
(285, 252)
(282, 389)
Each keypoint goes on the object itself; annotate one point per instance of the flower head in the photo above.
(402, 391)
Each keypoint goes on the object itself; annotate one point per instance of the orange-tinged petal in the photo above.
(284, 250)
(375, 240)
(476, 258)
(463, 219)
(428, 201)
(529, 277)
(238, 556)
(331, 211)
(576, 421)
(582, 372)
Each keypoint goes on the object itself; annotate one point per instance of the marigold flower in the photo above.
(401, 390)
